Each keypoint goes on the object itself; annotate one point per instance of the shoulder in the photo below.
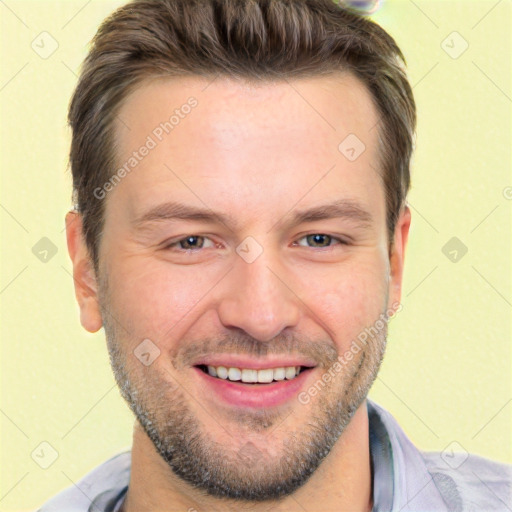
(112, 475)
(478, 483)
(462, 481)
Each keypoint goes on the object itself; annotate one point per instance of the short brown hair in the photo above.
(250, 39)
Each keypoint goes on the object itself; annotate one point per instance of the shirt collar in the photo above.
(401, 478)
(381, 458)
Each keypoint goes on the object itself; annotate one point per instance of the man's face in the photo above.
(257, 290)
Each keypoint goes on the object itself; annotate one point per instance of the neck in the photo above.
(343, 482)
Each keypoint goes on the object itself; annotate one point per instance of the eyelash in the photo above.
(332, 238)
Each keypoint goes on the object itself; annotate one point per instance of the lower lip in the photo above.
(254, 395)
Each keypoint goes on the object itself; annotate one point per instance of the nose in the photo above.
(259, 300)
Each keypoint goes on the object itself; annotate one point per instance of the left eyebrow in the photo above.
(343, 208)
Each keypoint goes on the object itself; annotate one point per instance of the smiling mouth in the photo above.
(251, 377)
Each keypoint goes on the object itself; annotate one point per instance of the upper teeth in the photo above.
(248, 375)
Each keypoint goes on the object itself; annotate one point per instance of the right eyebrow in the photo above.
(172, 210)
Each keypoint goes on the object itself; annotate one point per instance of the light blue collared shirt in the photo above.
(405, 479)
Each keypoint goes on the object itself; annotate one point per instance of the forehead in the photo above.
(237, 144)
(327, 106)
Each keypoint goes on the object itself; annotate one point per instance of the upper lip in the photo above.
(234, 361)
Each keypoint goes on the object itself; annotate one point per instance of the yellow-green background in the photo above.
(447, 373)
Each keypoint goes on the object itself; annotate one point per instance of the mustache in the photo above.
(322, 351)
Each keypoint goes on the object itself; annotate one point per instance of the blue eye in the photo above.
(321, 239)
(194, 243)
(188, 243)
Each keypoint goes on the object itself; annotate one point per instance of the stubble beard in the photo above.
(241, 469)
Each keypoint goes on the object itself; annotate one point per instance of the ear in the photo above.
(86, 290)
(397, 256)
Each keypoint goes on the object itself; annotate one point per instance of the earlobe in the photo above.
(84, 276)
(397, 256)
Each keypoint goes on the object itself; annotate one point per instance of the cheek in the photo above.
(153, 300)
(350, 300)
